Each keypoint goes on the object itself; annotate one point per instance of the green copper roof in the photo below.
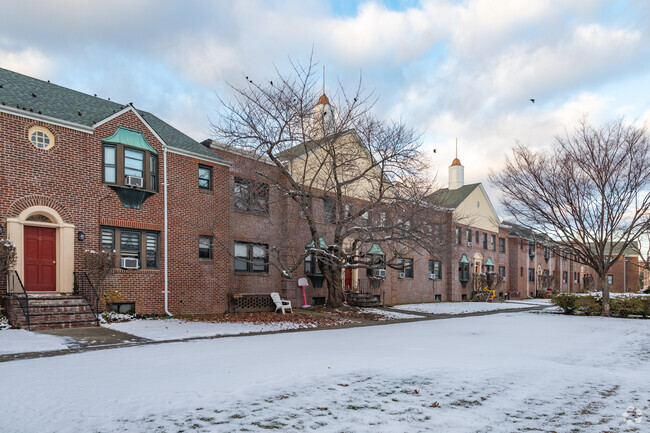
(376, 249)
(321, 243)
(489, 262)
(464, 259)
(130, 137)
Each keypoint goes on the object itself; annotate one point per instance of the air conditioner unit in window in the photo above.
(129, 263)
(432, 277)
(400, 275)
(380, 273)
(134, 181)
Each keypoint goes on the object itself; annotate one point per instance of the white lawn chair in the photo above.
(280, 304)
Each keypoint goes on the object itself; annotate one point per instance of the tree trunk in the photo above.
(605, 290)
(332, 275)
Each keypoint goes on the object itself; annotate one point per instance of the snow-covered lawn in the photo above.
(173, 329)
(389, 315)
(502, 373)
(19, 341)
(461, 307)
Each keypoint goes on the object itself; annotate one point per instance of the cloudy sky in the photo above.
(452, 69)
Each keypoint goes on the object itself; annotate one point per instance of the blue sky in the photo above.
(452, 69)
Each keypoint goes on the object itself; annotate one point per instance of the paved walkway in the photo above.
(91, 339)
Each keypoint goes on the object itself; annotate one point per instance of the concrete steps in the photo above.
(364, 300)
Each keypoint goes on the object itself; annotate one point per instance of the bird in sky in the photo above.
(532, 100)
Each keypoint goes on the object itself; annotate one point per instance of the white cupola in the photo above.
(323, 117)
(456, 172)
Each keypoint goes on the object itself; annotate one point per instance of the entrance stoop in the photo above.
(52, 311)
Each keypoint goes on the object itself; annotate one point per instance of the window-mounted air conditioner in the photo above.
(129, 263)
(380, 273)
(134, 181)
(432, 277)
(400, 275)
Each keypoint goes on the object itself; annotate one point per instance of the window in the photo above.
(458, 240)
(565, 277)
(250, 257)
(41, 137)
(382, 219)
(531, 249)
(405, 265)
(468, 233)
(365, 218)
(531, 275)
(485, 241)
(521, 272)
(121, 161)
(152, 250)
(463, 269)
(437, 298)
(610, 280)
(311, 265)
(109, 164)
(205, 177)
(205, 247)
(502, 272)
(476, 237)
(131, 243)
(329, 210)
(133, 162)
(435, 269)
(502, 245)
(251, 196)
(463, 297)
(348, 210)
(489, 268)
(153, 172)
(493, 243)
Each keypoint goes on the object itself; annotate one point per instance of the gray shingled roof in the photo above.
(452, 198)
(306, 147)
(41, 97)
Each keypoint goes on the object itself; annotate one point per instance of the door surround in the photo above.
(38, 216)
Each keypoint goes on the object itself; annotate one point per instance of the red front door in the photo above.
(348, 278)
(40, 259)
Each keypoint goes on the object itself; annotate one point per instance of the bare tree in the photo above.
(589, 192)
(368, 173)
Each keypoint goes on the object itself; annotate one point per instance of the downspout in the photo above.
(624, 274)
(166, 292)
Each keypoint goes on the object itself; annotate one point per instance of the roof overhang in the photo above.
(43, 118)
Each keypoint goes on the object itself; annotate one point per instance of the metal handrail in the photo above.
(16, 288)
(84, 287)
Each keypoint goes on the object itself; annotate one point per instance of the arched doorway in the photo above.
(45, 249)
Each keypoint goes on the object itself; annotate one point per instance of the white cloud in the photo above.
(28, 61)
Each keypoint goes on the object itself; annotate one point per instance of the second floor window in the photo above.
(435, 269)
(531, 275)
(468, 232)
(502, 272)
(251, 196)
(130, 167)
(205, 247)
(502, 245)
(329, 210)
(493, 245)
(205, 177)
(485, 241)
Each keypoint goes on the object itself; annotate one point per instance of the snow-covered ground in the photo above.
(389, 315)
(173, 329)
(19, 341)
(461, 307)
(500, 373)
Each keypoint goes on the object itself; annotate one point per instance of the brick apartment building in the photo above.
(79, 173)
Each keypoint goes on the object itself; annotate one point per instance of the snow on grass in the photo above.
(507, 372)
(174, 329)
(389, 315)
(459, 307)
(20, 341)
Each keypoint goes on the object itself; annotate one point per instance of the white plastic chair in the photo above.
(281, 304)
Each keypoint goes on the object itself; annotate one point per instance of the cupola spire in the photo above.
(456, 172)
